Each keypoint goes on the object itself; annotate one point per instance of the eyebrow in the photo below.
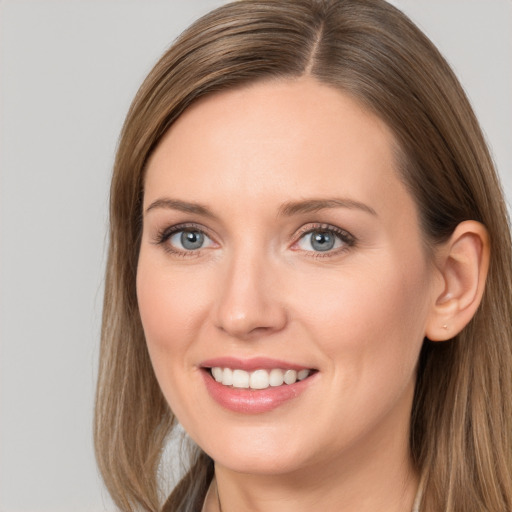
(182, 206)
(286, 210)
(315, 205)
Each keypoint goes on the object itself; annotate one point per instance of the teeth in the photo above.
(227, 376)
(217, 374)
(240, 379)
(302, 374)
(259, 379)
(276, 377)
(290, 376)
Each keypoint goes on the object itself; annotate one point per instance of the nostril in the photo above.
(251, 326)
(247, 304)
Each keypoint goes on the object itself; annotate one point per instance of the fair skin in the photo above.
(263, 180)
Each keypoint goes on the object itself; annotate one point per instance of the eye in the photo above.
(324, 240)
(183, 239)
(189, 240)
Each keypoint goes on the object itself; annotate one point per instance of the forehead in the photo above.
(276, 139)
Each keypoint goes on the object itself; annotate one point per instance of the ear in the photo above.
(462, 263)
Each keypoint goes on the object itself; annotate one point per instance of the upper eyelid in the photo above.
(321, 226)
(185, 226)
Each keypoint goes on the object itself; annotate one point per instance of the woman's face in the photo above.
(278, 239)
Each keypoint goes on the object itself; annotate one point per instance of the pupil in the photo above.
(322, 241)
(192, 239)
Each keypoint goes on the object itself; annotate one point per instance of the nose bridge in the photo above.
(248, 302)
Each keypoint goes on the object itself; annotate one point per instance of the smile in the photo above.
(258, 379)
(256, 385)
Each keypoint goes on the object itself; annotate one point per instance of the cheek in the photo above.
(170, 304)
(167, 301)
(370, 323)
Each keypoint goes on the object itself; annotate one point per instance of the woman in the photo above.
(309, 269)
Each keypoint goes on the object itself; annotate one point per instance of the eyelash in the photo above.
(165, 234)
(347, 239)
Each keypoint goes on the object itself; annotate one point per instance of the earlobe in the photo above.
(462, 263)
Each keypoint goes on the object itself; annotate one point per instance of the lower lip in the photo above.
(249, 401)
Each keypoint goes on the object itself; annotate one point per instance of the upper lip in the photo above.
(252, 364)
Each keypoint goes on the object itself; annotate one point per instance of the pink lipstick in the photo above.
(257, 385)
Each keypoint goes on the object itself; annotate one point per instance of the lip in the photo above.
(249, 401)
(252, 364)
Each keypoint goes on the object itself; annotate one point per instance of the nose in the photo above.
(248, 304)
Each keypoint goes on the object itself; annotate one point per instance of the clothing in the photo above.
(210, 501)
(419, 495)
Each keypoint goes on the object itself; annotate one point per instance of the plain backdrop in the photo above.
(68, 71)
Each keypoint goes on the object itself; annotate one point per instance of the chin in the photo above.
(260, 464)
(257, 454)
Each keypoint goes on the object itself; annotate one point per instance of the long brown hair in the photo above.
(461, 425)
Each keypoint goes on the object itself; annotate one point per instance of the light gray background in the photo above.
(68, 71)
